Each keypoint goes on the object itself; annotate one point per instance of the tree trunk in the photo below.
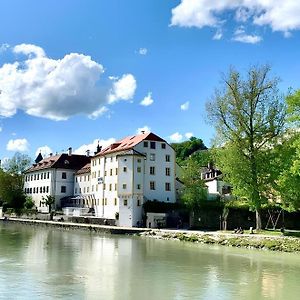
(258, 219)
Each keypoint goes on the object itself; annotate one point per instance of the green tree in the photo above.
(49, 201)
(185, 149)
(249, 115)
(17, 164)
(288, 153)
(194, 192)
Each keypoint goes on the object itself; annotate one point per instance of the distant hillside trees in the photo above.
(185, 149)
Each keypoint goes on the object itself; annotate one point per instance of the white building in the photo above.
(128, 173)
(53, 176)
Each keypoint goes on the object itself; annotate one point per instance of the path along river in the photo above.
(46, 263)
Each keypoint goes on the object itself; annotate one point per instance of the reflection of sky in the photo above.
(46, 264)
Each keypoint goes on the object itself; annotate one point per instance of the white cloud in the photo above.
(241, 36)
(44, 150)
(279, 15)
(58, 89)
(143, 51)
(147, 100)
(176, 137)
(29, 49)
(97, 113)
(93, 146)
(145, 128)
(123, 88)
(218, 35)
(20, 145)
(185, 106)
(188, 135)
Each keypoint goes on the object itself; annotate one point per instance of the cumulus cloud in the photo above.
(176, 137)
(147, 100)
(58, 88)
(93, 146)
(145, 128)
(143, 51)
(279, 15)
(185, 106)
(20, 145)
(123, 88)
(241, 36)
(44, 150)
(188, 135)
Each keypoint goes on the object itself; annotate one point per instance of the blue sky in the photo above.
(74, 72)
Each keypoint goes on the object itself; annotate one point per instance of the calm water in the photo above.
(37, 263)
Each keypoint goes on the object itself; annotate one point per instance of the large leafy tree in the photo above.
(289, 157)
(194, 192)
(12, 181)
(249, 115)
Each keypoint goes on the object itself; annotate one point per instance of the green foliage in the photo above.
(194, 192)
(185, 149)
(17, 164)
(202, 157)
(49, 201)
(160, 207)
(249, 116)
(29, 204)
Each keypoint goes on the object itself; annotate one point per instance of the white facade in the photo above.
(56, 182)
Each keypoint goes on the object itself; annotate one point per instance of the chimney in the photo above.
(142, 131)
(88, 153)
(70, 151)
(50, 154)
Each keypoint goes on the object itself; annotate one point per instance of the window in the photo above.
(76, 179)
(125, 202)
(163, 146)
(115, 186)
(31, 177)
(98, 173)
(116, 171)
(75, 190)
(168, 158)
(88, 177)
(116, 201)
(152, 170)
(139, 160)
(44, 189)
(139, 169)
(96, 187)
(38, 176)
(84, 190)
(138, 186)
(152, 185)
(124, 169)
(110, 186)
(92, 188)
(47, 189)
(105, 173)
(138, 203)
(48, 175)
(80, 178)
(104, 186)
(124, 186)
(30, 191)
(167, 171)
(111, 172)
(105, 201)
(152, 156)
(41, 189)
(168, 186)
(88, 189)
(79, 190)
(34, 190)
(64, 175)
(42, 176)
(146, 144)
(84, 177)
(152, 145)
(63, 189)
(34, 176)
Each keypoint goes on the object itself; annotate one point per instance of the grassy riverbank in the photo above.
(255, 241)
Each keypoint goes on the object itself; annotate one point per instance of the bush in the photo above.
(28, 203)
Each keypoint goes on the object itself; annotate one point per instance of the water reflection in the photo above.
(44, 264)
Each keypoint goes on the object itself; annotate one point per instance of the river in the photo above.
(42, 263)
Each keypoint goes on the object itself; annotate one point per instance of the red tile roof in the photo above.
(85, 169)
(129, 142)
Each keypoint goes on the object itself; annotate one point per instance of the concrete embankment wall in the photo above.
(78, 226)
